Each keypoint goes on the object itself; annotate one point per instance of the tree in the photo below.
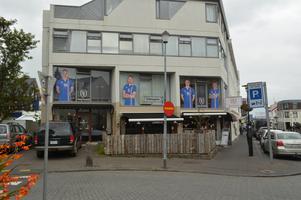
(15, 45)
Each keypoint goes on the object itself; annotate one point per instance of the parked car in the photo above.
(263, 137)
(63, 136)
(284, 143)
(11, 132)
(260, 132)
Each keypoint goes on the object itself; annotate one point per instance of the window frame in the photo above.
(67, 36)
(216, 13)
(100, 36)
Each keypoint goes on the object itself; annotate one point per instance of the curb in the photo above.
(178, 171)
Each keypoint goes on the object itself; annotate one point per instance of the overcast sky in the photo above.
(265, 33)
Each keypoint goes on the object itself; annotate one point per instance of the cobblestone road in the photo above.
(165, 186)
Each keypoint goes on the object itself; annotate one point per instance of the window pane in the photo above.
(211, 12)
(185, 46)
(83, 87)
(212, 47)
(110, 42)
(198, 47)
(94, 42)
(172, 46)
(60, 40)
(101, 86)
(78, 41)
(141, 44)
(156, 45)
(166, 9)
(126, 43)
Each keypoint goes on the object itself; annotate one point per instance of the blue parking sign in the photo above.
(256, 95)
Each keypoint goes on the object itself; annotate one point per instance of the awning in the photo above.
(235, 116)
(149, 117)
(26, 118)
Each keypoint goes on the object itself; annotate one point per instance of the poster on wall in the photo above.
(129, 92)
(187, 95)
(214, 95)
(64, 88)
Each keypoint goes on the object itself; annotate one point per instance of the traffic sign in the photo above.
(256, 96)
(168, 108)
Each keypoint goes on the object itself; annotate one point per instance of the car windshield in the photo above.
(289, 136)
(58, 128)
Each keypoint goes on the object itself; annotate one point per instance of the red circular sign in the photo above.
(168, 108)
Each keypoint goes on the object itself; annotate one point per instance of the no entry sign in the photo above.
(168, 108)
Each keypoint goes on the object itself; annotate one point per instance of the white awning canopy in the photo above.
(26, 118)
(155, 119)
(205, 114)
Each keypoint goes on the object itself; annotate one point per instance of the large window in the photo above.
(198, 92)
(185, 46)
(172, 47)
(155, 45)
(166, 9)
(81, 84)
(125, 43)
(142, 89)
(141, 44)
(61, 40)
(94, 42)
(198, 46)
(131, 44)
(212, 47)
(211, 13)
(78, 41)
(110, 42)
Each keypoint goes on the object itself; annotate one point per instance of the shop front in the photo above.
(83, 96)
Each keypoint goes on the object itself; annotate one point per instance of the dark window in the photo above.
(166, 9)
(58, 128)
(61, 40)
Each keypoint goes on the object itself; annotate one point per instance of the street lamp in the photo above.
(165, 37)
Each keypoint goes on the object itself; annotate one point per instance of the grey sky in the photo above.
(265, 34)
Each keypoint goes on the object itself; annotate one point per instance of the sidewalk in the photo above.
(231, 161)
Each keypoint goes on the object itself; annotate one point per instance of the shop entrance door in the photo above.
(85, 123)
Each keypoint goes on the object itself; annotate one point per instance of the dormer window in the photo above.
(166, 9)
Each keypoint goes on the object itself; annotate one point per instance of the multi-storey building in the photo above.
(107, 57)
(288, 114)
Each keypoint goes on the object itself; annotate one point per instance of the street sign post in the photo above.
(258, 98)
(47, 83)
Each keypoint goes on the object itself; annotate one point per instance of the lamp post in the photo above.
(165, 37)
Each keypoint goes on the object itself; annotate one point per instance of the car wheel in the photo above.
(40, 154)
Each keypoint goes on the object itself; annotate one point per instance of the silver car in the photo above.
(284, 143)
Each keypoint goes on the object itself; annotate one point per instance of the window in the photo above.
(156, 45)
(211, 13)
(101, 90)
(110, 5)
(172, 46)
(287, 115)
(212, 47)
(185, 46)
(125, 43)
(141, 44)
(94, 42)
(110, 42)
(166, 9)
(295, 114)
(198, 46)
(61, 40)
(78, 41)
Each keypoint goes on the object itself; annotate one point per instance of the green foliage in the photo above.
(15, 45)
(100, 149)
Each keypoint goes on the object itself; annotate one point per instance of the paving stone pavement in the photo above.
(233, 160)
(100, 185)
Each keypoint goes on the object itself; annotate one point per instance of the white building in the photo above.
(108, 58)
(288, 114)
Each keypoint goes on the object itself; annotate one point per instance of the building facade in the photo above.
(287, 115)
(107, 57)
